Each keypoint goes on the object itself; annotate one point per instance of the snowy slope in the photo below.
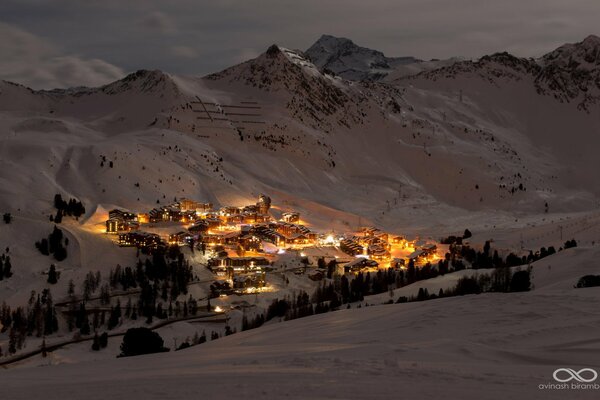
(494, 346)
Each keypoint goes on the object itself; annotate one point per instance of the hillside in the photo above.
(492, 345)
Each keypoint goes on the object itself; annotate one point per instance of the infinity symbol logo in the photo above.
(572, 374)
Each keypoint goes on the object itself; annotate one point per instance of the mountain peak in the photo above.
(273, 51)
(144, 80)
(330, 40)
(351, 61)
(576, 55)
(591, 40)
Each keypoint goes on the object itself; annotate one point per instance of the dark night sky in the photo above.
(89, 42)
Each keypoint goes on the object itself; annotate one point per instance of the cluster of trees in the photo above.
(197, 339)
(39, 319)
(100, 342)
(501, 280)
(456, 239)
(5, 266)
(167, 266)
(251, 323)
(288, 308)
(489, 259)
(588, 281)
(330, 266)
(383, 281)
(53, 275)
(164, 276)
(291, 308)
(91, 283)
(72, 208)
(138, 341)
(7, 217)
(54, 245)
(82, 321)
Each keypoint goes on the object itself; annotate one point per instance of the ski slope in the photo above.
(494, 346)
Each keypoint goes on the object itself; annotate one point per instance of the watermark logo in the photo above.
(571, 379)
(569, 374)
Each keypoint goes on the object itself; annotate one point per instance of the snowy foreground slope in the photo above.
(493, 346)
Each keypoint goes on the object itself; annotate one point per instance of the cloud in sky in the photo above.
(32, 61)
(192, 37)
(159, 22)
(184, 52)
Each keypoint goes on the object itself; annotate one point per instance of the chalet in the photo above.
(295, 234)
(238, 265)
(116, 225)
(288, 229)
(199, 226)
(350, 246)
(378, 253)
(222, 238)
(246, 264)
(246, 218)
(375, 232)
(228, 211)
(415, 255)
(290, 217)
(250, 242)
(112, 225)
(140, 240)
(397, 263)
(122, 215)
(191, 205)
(269, 235)
(143, 218)
(218, 288)
(181, 238)
(252, 209)
(298, 239)
(155, 215)
(360, 264)
(248, 283)
(397, 240)
(170, 213)
(263, 204)
(426, 251)
(213, 222)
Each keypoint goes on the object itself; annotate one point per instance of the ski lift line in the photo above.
(214, 127)
(227, 114)
(213, 119)
(230, 105)
(251, 107)
(203, 106)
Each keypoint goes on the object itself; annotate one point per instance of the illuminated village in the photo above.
(241, 243)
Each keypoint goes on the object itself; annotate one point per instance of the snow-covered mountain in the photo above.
(350, 61)
(496, 133)
(499, 145)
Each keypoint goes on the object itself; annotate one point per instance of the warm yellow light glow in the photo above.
(218, 309)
